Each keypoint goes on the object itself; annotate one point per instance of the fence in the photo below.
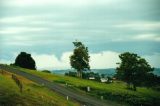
(18, 82)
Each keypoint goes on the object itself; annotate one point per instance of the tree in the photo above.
(25, 60)
(133, 69)
(79, 60)
(152, 81)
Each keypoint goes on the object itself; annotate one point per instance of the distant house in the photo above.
(104, 79)
(114, 78)
(91, 78)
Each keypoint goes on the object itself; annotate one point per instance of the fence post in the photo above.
(101, 97)
(88, 89)
(67, 98)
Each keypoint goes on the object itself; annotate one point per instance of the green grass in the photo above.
(114, 91)
(32, 95)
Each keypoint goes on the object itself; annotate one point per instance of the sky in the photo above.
(47, 28)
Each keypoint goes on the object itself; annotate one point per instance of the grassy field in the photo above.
(115, 91)
(32, 94)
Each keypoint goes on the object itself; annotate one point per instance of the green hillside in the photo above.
(115, 91)
(32, 94)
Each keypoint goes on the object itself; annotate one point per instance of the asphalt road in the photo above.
(85, 100)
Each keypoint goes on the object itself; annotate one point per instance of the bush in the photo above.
(72, 74)
(46, 71)
(131, 99)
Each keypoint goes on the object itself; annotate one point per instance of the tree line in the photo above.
(132, 69)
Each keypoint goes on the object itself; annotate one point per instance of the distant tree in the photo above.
(79, 60)
(46, 71)
(103, 75)
(70, 73)
(152, 81)
(133, 69)
(25, 60)
(87, 75)
(97, 77)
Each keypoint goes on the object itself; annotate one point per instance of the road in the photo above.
(85, 100)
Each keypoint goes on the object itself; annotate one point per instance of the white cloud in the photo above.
(154, 59)
(11, 19)
(15, 19)
(3, 61)
(18, 44)
(106, 59)
(20, 30)
(22, 3)
(47, 61)
(148, 37)
(16, 40)
(101, 60)
(139, 25)
(140, 37)
(30, 19)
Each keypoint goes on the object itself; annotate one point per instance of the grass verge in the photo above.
(115, 91)
(32, 94)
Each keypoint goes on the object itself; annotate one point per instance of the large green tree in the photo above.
(79, 60)
(25, 60)
(133, 69)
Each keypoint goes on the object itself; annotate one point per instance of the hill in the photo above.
(115, 91)
(108, 72)
(32, 94)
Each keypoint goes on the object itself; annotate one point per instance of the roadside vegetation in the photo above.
(32, 94)
(116, 91)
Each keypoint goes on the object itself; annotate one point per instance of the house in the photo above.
(91, 78)
(104, 79)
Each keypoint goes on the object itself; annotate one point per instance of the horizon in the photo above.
(46, 29)
(90, 69)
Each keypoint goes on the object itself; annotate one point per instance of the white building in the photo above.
(104, 79)
(91, 78)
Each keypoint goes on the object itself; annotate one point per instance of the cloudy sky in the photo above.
(47, 28)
